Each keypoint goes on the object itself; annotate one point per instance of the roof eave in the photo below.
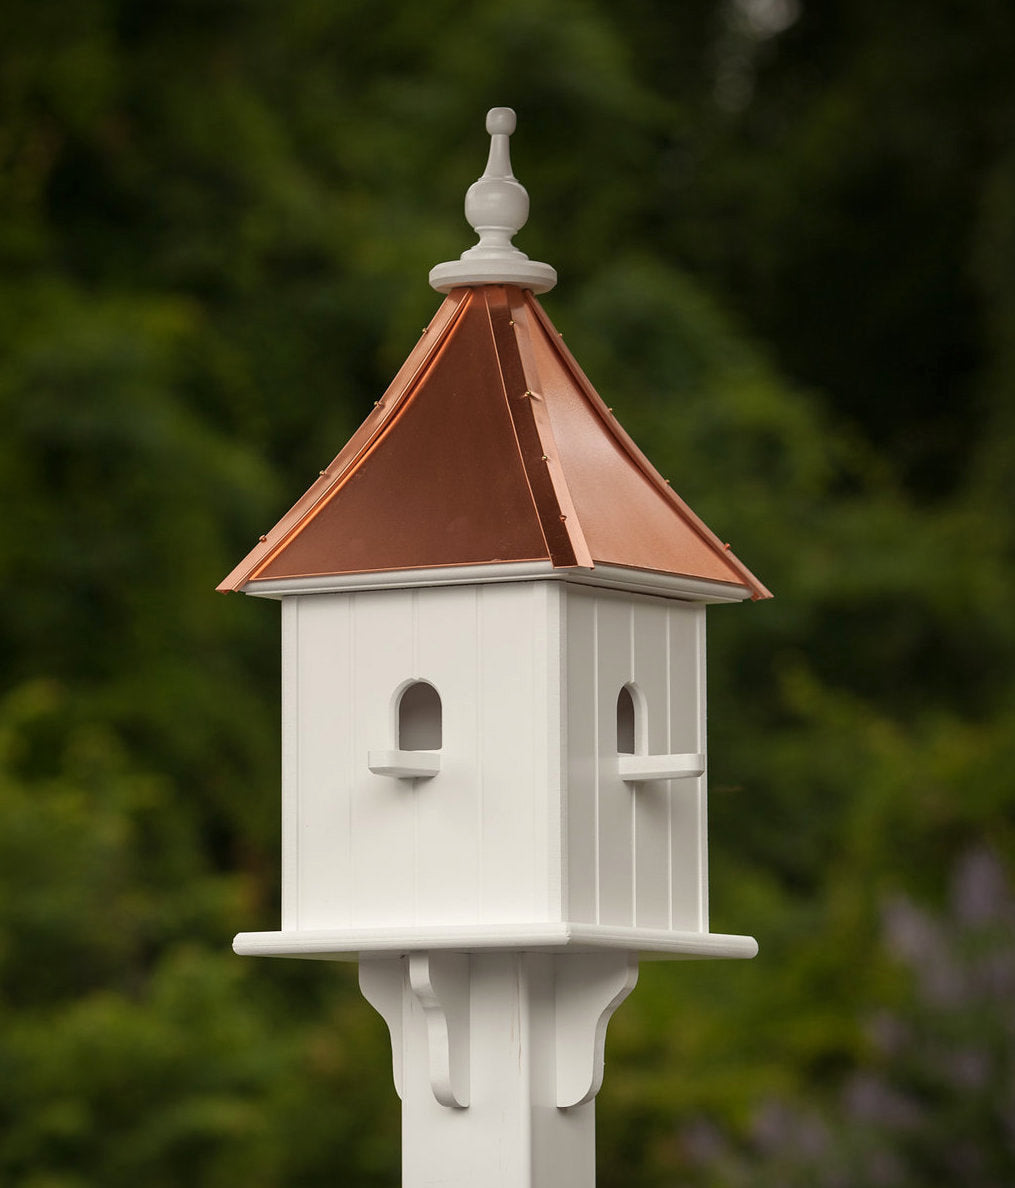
(684, 588)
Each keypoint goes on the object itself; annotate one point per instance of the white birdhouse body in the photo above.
(527, 819)
(493, 650)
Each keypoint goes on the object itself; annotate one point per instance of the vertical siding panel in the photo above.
(291, 743)
(447, 843)
(383, 809)
(323, 760)
(686, 734)
(510, 748)
(582, 765)
(651, 800)
(615, 811)
(702, 783)
(550, 666)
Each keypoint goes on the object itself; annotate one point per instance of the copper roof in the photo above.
(490, 445)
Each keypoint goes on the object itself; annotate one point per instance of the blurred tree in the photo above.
(935, 1098)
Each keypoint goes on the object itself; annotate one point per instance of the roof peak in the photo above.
(497, 207)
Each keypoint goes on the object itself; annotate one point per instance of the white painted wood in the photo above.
(580, 859)
(440, 981)
(517, 671)
(549, 715)
(688, 845)
(406, 765)
(650, 849)
(615, 831)
(382, 983)
(607, 577)
(661, 944)
(388, 836)
(447, 841)
(511, 1136)
(319, 861)
(527, 816)
(290, 764)
(536, 1028)
(641, 769)
(588, 990)
(702, 798)
(652, 814)
(379, 813)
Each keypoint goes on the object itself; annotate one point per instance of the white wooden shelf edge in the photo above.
(638, 769)
(406, 765)
(610, 577)
(346, 945)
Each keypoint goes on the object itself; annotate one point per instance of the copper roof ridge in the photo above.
(384, 412)
(627, 443)
(551, 498)
(567, 511)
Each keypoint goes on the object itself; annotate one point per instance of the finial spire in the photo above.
(496, 207)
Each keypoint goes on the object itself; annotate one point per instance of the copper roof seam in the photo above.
(541, 419)
(320, 493)
(757, 588)
(549, 513)
(514, 426)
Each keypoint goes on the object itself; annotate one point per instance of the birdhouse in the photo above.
(494, 754)
(493, 638)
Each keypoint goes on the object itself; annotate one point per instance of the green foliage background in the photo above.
(785, 233)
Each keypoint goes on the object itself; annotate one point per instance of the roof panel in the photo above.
(441, 483)
(628, 513)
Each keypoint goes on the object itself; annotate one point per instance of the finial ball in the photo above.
(500, 119)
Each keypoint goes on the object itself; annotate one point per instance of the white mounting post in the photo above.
(497, 1057)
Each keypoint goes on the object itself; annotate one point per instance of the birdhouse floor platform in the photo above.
(349, 945)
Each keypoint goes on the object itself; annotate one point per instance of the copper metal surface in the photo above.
(630, 514)
(345, 460)
(490, 445)
(542, 465)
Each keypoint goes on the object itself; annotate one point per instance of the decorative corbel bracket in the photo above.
(381, 982)
(588, 988)
(577, 991)
(440, 983)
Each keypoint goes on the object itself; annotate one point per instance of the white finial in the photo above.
(496, 207)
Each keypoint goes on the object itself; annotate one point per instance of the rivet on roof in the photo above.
(496, 206)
